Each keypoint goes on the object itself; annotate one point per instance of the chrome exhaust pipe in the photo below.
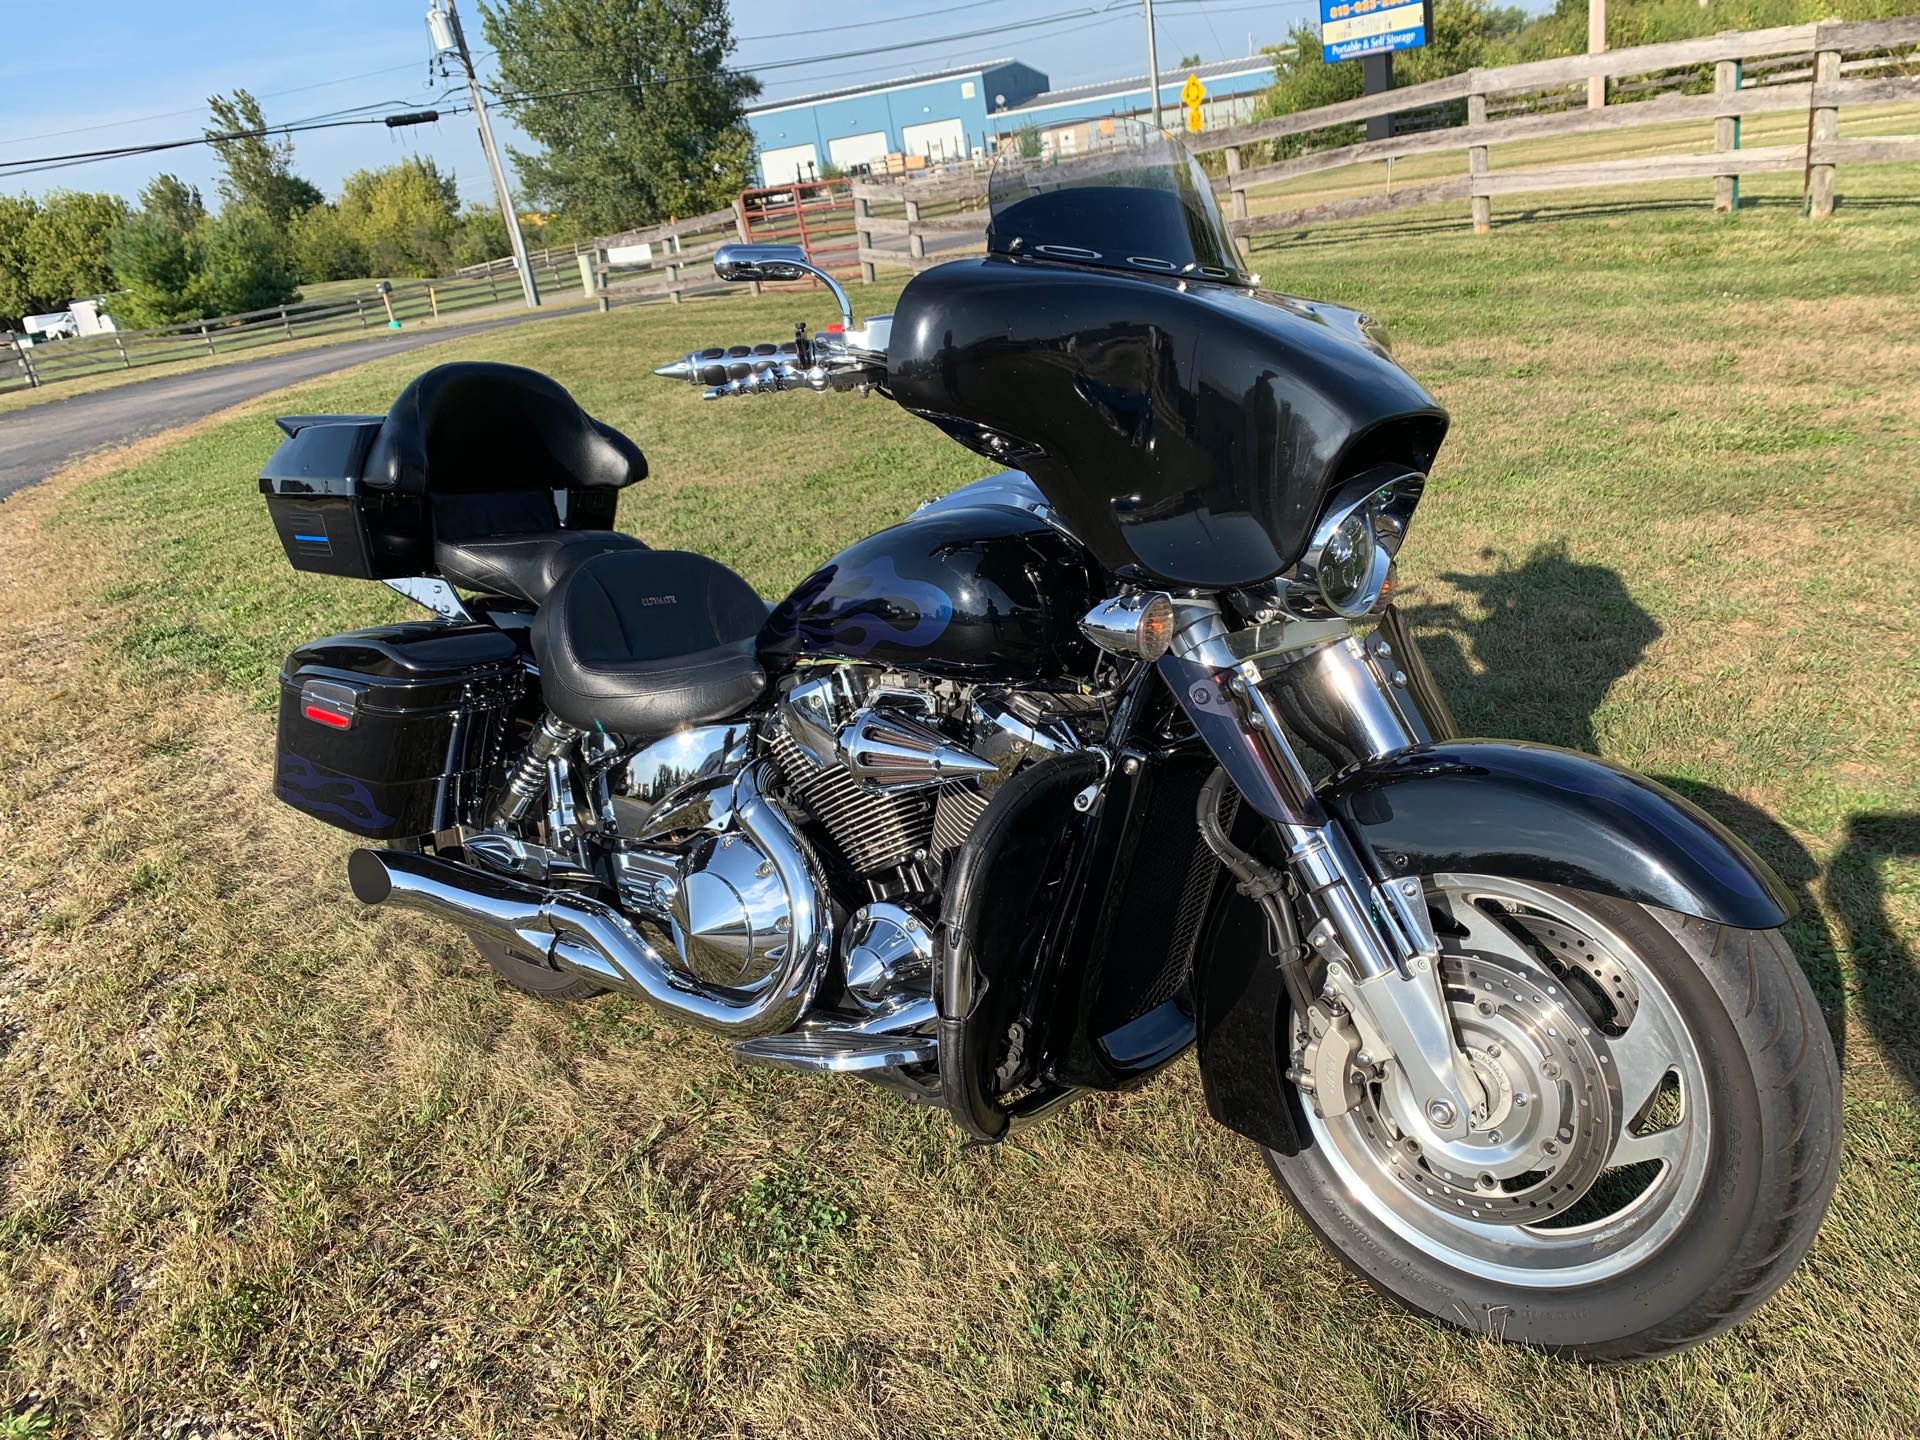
(587, 937)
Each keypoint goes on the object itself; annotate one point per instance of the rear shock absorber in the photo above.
(529, 778)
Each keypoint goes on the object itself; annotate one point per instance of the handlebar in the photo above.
(844, 358)
(836, 360)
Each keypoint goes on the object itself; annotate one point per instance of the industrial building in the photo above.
(1064, 117)
(968, 110)
(942, 115)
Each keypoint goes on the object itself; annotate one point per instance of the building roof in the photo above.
(953, 72)
(1100, 89)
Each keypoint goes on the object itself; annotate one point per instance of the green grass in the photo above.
(267, 1156)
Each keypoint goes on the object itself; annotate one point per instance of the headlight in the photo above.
(1346, 564)
(1349, 562)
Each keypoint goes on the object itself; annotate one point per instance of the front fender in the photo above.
(1537, 812)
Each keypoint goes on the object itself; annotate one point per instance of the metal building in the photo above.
(944, 115)
(1062, 116)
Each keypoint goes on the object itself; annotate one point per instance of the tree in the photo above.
(1188, 61)
(652, 125)
(55, 249)
(324, 246)
(403, 216)
(244, 263)
(482, 236)
(259, 172)
(173, 202)
(157, 266)
(16, 296)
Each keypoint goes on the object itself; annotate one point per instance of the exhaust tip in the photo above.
(367, 874)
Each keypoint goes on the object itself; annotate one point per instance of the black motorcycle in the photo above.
(1121, 751)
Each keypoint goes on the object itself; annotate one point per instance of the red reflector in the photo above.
(328, 717)
(837, 328)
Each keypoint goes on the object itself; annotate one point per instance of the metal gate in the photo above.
(816, 215)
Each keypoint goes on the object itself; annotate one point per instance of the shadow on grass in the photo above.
(1886, 970)
(1553, 636)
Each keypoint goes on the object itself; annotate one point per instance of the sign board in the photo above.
(630, 254)
(1352, 28)
(1191, 94)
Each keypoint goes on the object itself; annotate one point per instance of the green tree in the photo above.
(244, 263)
(157, 266)
(16, 296)
(63, 244)
(258, 170)
(403, 216)
(324, 246)
(172, 201)
(482, 236)
(652, 125)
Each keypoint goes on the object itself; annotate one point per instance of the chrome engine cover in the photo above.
(722, 902)
(686, 865)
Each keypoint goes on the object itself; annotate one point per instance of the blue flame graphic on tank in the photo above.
(870, 605)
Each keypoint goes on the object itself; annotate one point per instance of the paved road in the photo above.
(38, 440)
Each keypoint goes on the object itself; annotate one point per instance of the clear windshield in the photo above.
(1133, 198)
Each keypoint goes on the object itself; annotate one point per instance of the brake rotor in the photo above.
(1544, 1134)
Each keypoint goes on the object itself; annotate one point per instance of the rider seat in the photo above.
(520, 483)
(639, 643)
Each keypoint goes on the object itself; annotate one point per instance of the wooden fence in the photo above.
(914, 226)
(678, 268)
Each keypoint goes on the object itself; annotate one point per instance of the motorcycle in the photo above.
(1122, 751)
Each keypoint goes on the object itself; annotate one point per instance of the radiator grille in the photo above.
(874, 832)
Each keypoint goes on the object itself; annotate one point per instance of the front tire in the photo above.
(1665, 1175)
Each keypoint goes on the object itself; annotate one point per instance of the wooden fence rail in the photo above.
(1251, 166)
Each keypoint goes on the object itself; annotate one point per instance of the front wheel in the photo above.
(1661, 1138)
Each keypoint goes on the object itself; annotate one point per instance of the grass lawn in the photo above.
(273, 1161)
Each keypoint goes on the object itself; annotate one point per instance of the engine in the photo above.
(897, 768)
(894, 768)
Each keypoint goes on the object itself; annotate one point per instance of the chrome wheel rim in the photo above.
(1593, 1148)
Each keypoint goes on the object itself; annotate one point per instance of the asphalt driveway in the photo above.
(38, 440)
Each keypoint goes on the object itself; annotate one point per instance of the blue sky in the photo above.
(68, 84)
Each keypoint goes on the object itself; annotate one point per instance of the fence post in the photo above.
(673, 266)
(740, 229)
(493, 283)
(1823, 129)
(26, 363)
(206, 337)
(433, 301)
(285, 323)
(360, 309)
(1726, 136)
(121, 346)
(588, 281)
(916, 242)
(862, 208)
(1238, 196)
(1477, 155)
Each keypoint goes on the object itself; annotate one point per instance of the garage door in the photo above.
(942, 139)
(850, 151)
(794, 162)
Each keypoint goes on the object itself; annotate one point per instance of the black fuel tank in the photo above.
(980, 593)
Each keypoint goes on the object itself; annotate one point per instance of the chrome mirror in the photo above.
(777, 262)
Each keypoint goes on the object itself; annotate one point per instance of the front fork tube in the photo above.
(1382, 958)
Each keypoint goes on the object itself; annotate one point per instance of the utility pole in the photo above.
(1596, 45)
(443, 24)
(1153, 65)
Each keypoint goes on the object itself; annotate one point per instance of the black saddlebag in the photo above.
(395, 732)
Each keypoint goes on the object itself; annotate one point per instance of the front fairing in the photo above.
(1186, 430)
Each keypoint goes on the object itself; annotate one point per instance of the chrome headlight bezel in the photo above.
(1377, 503)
